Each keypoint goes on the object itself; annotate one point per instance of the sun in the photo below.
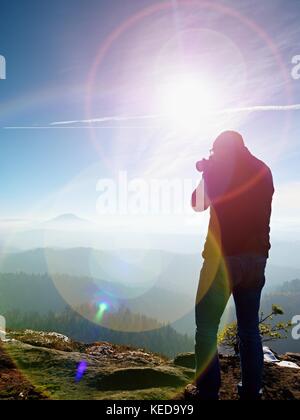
(187, 100)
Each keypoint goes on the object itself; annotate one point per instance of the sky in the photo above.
(86, 93)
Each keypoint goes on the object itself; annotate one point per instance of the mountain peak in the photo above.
(67, 217)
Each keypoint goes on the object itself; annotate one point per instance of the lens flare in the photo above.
(81, 369)
(186, 99)
(103, 307)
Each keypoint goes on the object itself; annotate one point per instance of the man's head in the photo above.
(228, 145)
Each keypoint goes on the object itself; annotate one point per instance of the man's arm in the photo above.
(200, 200)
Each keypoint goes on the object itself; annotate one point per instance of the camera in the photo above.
(202, 165)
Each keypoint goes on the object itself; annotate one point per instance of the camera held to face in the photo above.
(202, 165)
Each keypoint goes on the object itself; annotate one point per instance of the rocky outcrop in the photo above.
(280, 383)
(56, 367)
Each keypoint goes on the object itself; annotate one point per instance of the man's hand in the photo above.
(200, 200)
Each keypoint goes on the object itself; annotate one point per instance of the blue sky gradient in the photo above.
(50, 48)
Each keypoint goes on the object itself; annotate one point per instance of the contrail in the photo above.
(123, 118)
(258, 108)
(262, 108)
(108, 119)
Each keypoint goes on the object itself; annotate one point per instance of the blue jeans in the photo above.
(244, 277)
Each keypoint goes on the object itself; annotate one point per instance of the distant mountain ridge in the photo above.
(39, 293)
(174, 271)
(163, 283)
(67, 217)
(67, 221)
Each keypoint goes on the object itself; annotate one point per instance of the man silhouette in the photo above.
(238, 188)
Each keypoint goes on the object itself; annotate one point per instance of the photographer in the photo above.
(238, 188)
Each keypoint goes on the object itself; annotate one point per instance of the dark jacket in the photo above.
(240, 197)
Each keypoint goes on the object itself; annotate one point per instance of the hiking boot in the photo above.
(248, 396)
(192, 393)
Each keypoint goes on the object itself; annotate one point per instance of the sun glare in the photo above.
(187, 101)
